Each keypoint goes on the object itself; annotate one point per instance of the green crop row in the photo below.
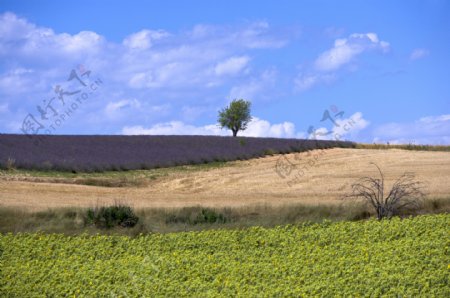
(408, 257)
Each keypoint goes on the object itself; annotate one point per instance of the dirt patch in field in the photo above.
(318, 177)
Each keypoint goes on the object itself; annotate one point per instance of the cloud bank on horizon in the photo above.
(158, 81)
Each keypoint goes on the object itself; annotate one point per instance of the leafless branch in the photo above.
(406, 192)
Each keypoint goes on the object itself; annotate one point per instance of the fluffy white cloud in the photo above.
(350, 127)
(427, 130)
(83, 41)
(418, 54)
(256, 128)
(262, 128)
(231, 66)
(14, 27)
(344, 50)
(189, 68)
(144, 39)
(20, 38)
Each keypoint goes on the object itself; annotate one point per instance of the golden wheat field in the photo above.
(314, 177)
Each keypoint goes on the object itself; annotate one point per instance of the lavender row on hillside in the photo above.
(103, 153)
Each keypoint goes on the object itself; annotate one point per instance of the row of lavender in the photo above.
(103, 153)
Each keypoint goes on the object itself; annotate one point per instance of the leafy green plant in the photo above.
(236, 116)
(108, 217)
(209, 216)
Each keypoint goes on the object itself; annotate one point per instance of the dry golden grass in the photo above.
(327, 177)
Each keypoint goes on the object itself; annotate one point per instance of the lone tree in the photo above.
(236, 116)
(406, 193)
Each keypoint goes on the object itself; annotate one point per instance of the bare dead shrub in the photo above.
(405, 193)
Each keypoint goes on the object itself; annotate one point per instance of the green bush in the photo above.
(112, 216)
(209, 216)
(195, 216)
(270, 152)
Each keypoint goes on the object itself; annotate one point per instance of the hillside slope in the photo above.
(327, 175)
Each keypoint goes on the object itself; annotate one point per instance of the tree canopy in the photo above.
(236, 116)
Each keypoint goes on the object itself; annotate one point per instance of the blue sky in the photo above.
(379, 68)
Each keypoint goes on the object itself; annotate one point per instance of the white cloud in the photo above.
(435, 119)
(113, 109)
(173, 128)
(304, 82)
(262, 128)
(195, 67)
(21, 38)
(427, 130)
(256, 128)
(184, 59)
(254, 35)
(14, 27)
(231, 66)
(418, 54)
(344, 50)
(326, 65)
(83, 41)
(344, 129)
(350, 127)
(144, 39)
(19, 81)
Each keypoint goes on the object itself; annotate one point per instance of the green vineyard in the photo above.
(398, 257)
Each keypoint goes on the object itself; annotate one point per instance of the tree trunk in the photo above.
(235, 131)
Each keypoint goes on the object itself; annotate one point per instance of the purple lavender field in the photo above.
(105, 153)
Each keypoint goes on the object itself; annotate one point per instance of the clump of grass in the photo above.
(112, 216)
(435, 205)
(270, 152)
(195, 216)
(111, 182)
